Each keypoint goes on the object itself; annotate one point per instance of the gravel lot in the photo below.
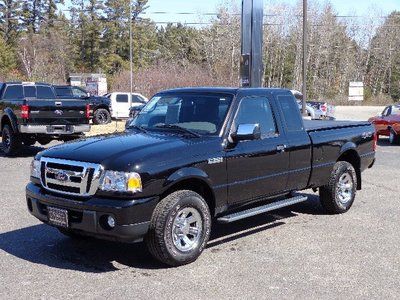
(297, 252)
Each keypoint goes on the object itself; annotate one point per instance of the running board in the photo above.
(261, 209)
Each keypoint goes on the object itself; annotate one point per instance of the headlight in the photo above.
(35, 168)
(121, 182)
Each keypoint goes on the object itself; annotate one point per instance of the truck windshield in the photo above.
(199, 113)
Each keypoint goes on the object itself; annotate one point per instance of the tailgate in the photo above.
(57, 112)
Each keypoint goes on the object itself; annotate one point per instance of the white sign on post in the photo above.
(356, 91)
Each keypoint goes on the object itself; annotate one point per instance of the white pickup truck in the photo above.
(120, 104)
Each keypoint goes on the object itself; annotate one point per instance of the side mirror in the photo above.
(246, 132)
(135, 110)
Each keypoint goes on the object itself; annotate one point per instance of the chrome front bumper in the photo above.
(54, 129)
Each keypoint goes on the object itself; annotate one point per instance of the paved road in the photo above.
(294, 253)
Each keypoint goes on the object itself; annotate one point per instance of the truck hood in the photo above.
(124, 151)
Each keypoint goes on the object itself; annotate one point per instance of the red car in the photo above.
(388, 123)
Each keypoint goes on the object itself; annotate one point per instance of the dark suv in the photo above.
(101, 106)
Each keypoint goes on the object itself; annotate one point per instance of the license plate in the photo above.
(57, 216)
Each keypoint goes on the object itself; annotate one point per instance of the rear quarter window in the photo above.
(291, 113)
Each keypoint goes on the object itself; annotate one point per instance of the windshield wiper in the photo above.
(178, 128)
(140, 128)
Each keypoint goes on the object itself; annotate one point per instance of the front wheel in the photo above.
(101, 116)
(179, 229)
(11, 141)
(338, 195)
(393, 137)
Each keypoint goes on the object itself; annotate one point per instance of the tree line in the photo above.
(43, 40)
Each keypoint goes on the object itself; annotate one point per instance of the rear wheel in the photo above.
(393, 137)
(101, 116)
(11, 141)
(338, 195)
(180, 228)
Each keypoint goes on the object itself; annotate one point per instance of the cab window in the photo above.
(257, 110)
(44, 92)
(122, 98)
(78, 93)
(13, 92)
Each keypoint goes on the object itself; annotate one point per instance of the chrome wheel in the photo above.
(344, 188)
(391, 137)
(187, 229)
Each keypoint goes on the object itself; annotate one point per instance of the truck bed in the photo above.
(316, 125)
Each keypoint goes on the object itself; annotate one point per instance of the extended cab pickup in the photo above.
(192, 155)
(30, 113)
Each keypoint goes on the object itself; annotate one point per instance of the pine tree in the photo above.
(10, 14)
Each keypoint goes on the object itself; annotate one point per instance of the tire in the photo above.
(170, 238)
(338, 196)
(11, 141)
(101, 116)
(394, 138)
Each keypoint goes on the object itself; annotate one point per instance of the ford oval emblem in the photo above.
(61, 176)
(58, 112)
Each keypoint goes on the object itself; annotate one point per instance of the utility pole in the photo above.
(130, 53)
(304, 111)
(251, 64)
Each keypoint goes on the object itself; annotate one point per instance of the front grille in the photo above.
(70, 177)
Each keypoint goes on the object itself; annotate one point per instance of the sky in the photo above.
(174, 7)
(342, 7)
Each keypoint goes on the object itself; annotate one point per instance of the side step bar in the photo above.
(261, 209)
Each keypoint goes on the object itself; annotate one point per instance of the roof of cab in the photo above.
(227, 90)
(26, 83)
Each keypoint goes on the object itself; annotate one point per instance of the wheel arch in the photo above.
(350, 155)
(9, 118)
(192, 179)
(101, 106)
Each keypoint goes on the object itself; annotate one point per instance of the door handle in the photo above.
(281, 148)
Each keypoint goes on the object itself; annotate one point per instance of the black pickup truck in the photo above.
(30, 113)
(101, 106)
(194, 155)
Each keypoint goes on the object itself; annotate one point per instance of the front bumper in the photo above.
(54, 129)
(84, 215)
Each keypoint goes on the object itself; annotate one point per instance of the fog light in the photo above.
(111, 221)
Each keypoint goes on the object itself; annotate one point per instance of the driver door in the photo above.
(257, 168)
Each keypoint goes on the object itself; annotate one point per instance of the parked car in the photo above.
(120, 103)
(30, 112)
(192, 155)
(388, 123)
(101, 106)
(317, 110)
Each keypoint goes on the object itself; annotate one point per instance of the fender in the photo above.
(186, 173)
(348, 146)
(9, 114)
